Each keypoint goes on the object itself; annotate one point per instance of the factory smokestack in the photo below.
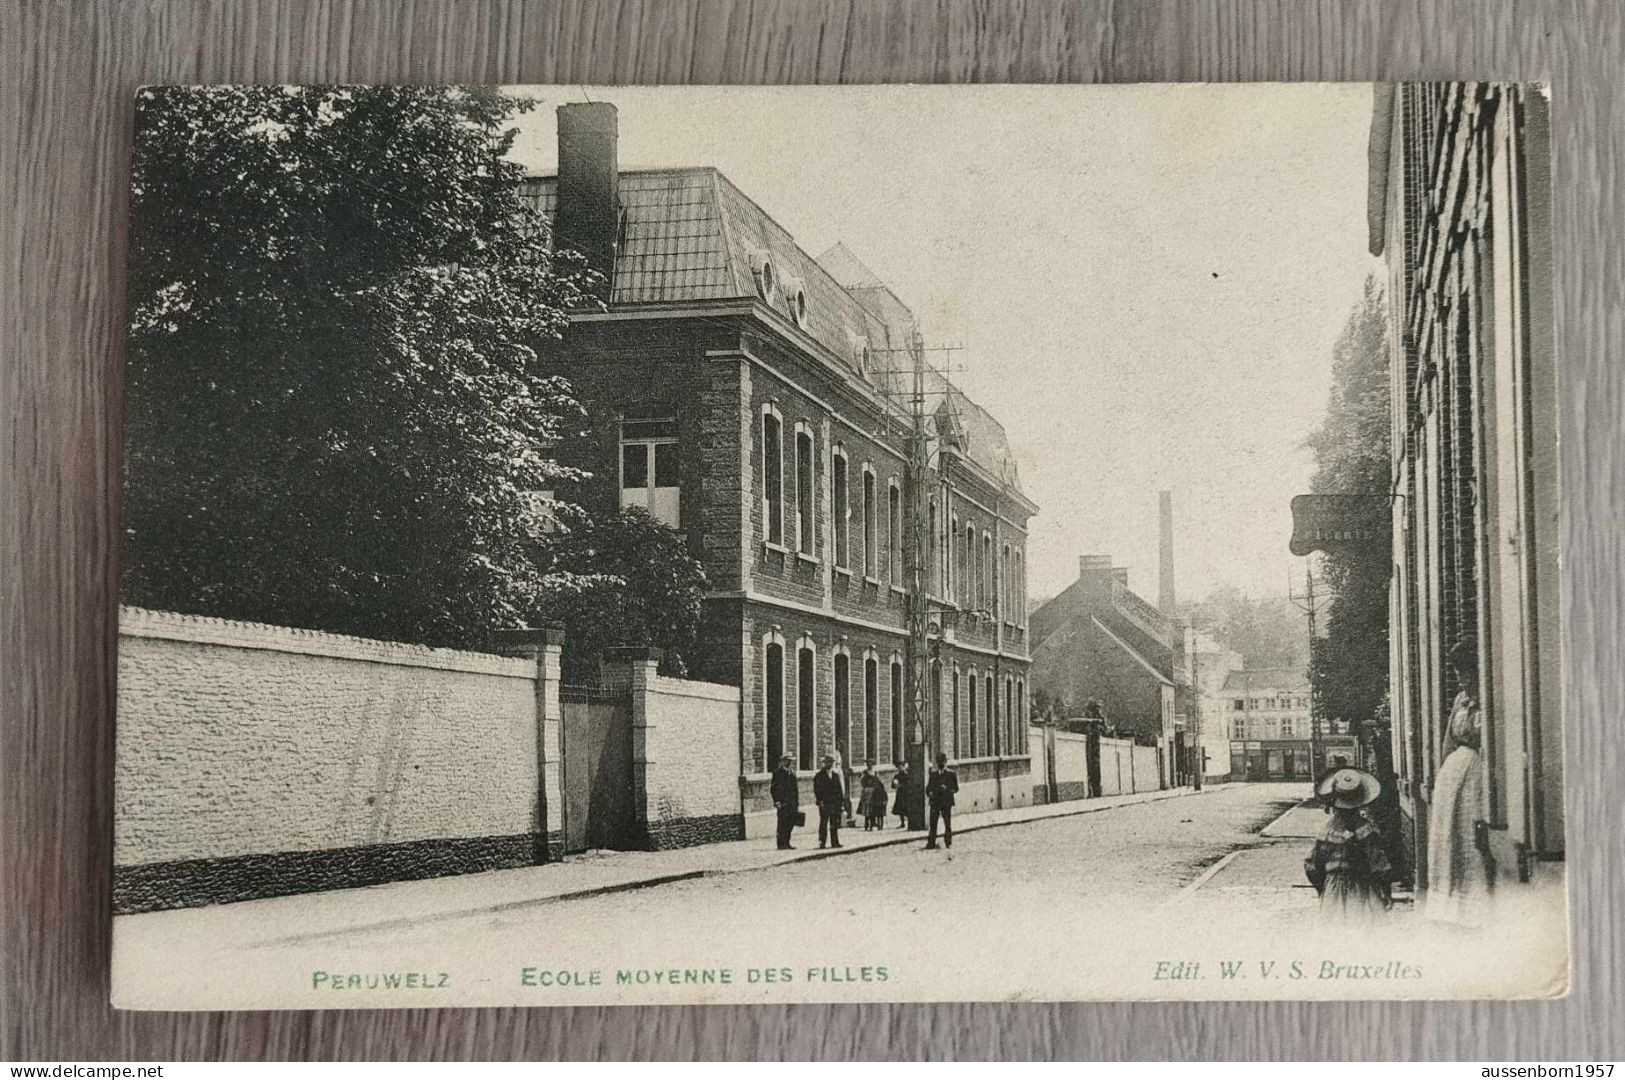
(1165, 565)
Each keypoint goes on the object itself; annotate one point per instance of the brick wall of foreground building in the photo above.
(1460, 206)
(258, 760)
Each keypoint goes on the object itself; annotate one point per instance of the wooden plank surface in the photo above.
(67, 72)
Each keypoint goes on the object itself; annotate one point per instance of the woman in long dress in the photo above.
(1458, 876)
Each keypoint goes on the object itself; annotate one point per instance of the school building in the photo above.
(754, 398)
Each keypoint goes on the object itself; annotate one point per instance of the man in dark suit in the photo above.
(940, 789)
(830, 795)
(786, 794)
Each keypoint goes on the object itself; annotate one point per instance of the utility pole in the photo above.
(1309, 604)
(917, 653)
(922, 736)
(1196, 708)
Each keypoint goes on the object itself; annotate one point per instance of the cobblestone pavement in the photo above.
(1140, 854)
(1176, 897)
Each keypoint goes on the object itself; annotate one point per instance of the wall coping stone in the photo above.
(668, 686)
(528, 638)
(622, 654)
(206, 630)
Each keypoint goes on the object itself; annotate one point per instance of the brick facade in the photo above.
(719, 383)
(1460, 207)
(740, 343)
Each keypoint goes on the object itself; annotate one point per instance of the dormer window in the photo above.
(798, 307)
(765, 280)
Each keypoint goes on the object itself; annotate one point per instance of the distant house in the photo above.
(1272, 733)
(1099, 640)
(1202, 666)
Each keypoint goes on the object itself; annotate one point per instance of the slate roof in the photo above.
(690, 234)
(1139, 657)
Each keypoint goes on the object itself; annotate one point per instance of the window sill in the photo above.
(867, 580)
(841, 571)
(802, 556)
(771, 546)
(899, 590)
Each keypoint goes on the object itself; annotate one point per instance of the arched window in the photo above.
(773, 701)
(842, 512)
(931, 557)
(936, 703)
(1021, 592)
(894, 504)
(773, 474)
(804, 490)
(992, 724)
(898, 741)
(870, 512)
(1007, 608)
(987, 571)
(843, 706)
(967, 561)
(958, 713)
(806, 699)
(973, 743)
(871, 704)
(973, 568)
(1009, 715)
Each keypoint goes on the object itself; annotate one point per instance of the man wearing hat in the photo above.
(1349, 867)
(786, 794)
(830, 795)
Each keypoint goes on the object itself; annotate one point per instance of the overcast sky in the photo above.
(1147, 281)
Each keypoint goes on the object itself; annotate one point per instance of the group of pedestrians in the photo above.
(1349, 865)
(835, 805)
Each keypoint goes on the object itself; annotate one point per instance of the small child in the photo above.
(1348, 866)
(872, 799)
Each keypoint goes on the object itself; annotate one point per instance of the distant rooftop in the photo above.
(1265, 679)
(690, 234)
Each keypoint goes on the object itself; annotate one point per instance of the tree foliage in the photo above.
(1266, 633)
(1351, 448)
(335, 416)
(624, 579)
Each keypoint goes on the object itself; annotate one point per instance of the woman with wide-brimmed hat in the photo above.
(1349, 867)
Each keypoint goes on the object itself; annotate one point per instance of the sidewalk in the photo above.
(1267, 878)
(311, 917)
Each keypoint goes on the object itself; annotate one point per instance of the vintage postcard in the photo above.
(680, 545)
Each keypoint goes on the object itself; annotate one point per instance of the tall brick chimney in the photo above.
(1165, 564)
(588, 213)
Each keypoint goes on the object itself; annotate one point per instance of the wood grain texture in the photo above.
(67, 72)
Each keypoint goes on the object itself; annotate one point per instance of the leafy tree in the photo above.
(1266, 633)
(1350, 663)
(625, 579)
(335, 416)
